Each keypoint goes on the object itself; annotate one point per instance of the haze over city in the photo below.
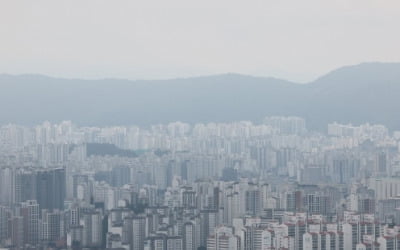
(200, 125)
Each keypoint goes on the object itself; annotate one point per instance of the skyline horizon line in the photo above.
(206, 123)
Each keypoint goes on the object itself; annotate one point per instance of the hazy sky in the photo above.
(297, 40)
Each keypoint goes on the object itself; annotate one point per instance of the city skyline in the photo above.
(217, 186)
(199, 125)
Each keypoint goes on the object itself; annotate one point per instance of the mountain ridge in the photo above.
(352, 94)
(346, 67)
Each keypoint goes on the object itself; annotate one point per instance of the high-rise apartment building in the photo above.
(51, 188)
